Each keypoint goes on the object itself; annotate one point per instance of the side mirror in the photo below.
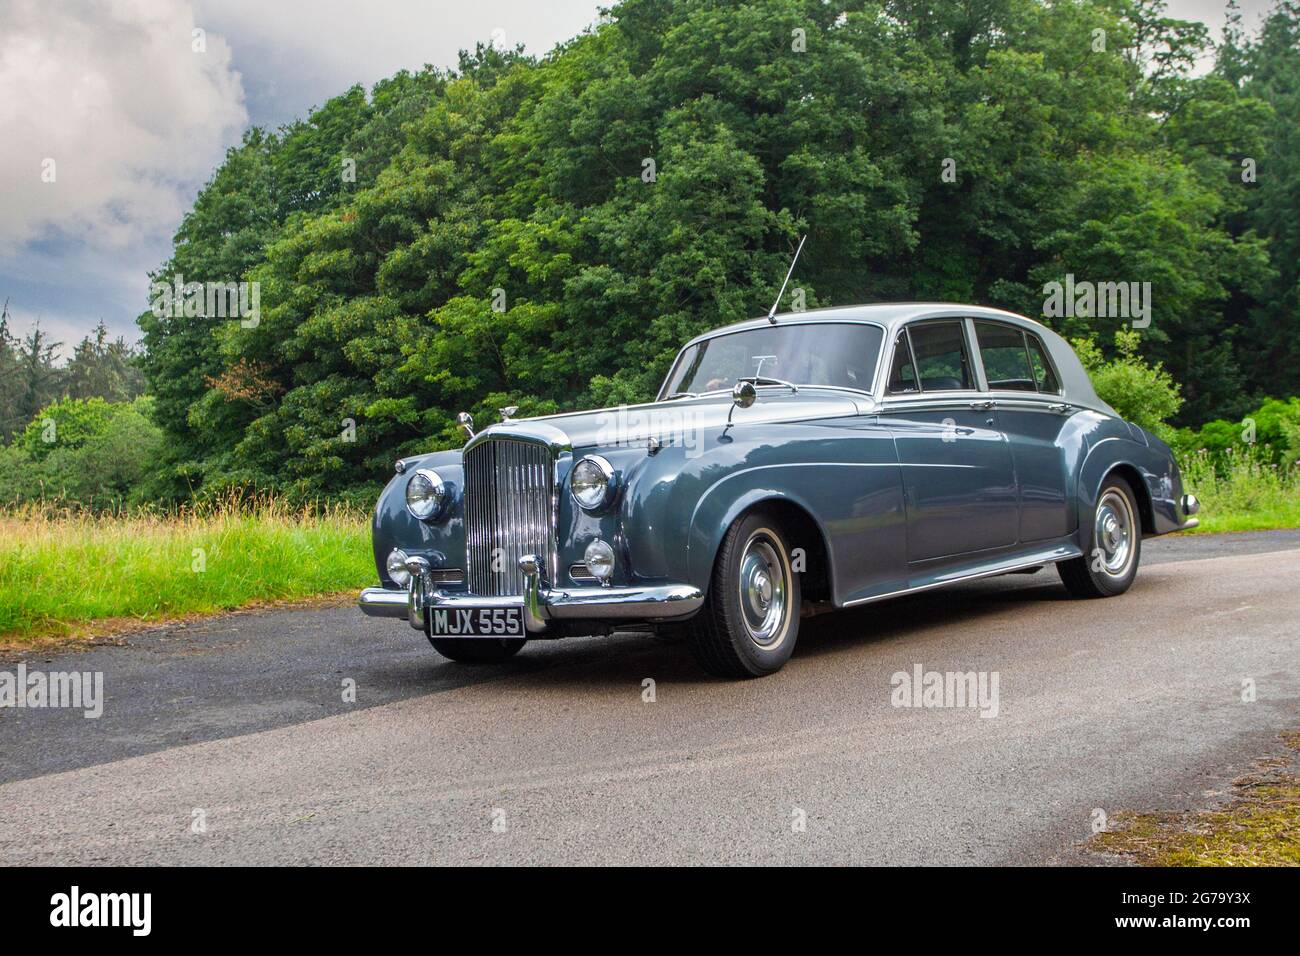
(743, 394)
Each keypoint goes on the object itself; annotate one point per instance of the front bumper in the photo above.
(540, 603)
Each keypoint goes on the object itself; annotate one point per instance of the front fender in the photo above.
(442, 542)
(842, 474)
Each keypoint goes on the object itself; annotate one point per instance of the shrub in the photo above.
(1145, 395)
(103, 455)
(66, 423)
(1271, 432)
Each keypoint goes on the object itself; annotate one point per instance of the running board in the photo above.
(1020, 563)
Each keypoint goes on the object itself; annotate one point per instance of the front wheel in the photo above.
(1110, 559)
(749, 624)
(478, 650)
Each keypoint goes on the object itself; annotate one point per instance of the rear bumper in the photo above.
(652, 603)
(1190, 506)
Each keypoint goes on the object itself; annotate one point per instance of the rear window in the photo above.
(1044, 376)
(1015, 359)
(1005, 357)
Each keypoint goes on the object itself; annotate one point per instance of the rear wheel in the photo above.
(750, 621)
(1110, 559)
(478, 650)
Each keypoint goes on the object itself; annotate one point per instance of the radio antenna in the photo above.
(771, 316)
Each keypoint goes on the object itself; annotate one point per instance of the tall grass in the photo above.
(1241, 492)
(61, 569)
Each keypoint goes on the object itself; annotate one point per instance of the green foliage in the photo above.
(1143, 393)
(30, 377)
(1243, 490)
(101, 455)
(1271, 432)
(547, 233)
(67, 423)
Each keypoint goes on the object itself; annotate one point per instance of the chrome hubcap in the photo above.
(763, 591)
(1114, 531)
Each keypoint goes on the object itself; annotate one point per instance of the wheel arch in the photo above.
(1133, 477)
(802, 529)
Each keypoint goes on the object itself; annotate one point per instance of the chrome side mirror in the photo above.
(743, 394)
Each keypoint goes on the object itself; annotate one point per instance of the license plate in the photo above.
(477, 622)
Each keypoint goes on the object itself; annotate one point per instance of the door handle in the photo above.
(1062, 408)
(981, 406)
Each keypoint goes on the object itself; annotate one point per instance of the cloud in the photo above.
(132, 117)
(295, 55)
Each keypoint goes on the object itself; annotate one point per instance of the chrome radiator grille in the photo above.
(507, 507)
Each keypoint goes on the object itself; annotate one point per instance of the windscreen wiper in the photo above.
(764, 380)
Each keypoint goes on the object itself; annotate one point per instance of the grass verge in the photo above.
(1260, 826)
(1243, 493)
(66, 575)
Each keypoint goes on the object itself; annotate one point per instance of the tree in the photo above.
(103, 369)
(34, 379)
(545, 233)
(1143, 394)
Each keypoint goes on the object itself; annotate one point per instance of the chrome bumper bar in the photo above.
(541, 604)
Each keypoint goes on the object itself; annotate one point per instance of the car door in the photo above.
(1026, 393)
(958, 476)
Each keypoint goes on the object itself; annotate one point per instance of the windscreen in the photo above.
(840, 354)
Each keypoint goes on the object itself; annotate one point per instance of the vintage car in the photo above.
(789, 464)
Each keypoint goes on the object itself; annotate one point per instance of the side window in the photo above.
(1044, 377)
(902, 376)
(1006, 361)
(939, 353)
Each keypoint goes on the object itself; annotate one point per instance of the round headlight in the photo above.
(425, 494)
(592, 482)
(396, 565)
(599, 558)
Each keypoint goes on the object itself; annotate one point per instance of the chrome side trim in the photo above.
(964, 399)
(1018, 565)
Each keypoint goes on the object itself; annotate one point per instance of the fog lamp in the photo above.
(599, 558)
(396, 566)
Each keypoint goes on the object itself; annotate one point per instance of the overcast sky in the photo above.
(135, 122)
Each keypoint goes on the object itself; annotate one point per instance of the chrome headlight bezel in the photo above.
(598, 481)
(432, 506)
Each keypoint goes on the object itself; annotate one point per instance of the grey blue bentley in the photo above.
(789, 464)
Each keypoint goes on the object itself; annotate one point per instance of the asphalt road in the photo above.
(1129, 703)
